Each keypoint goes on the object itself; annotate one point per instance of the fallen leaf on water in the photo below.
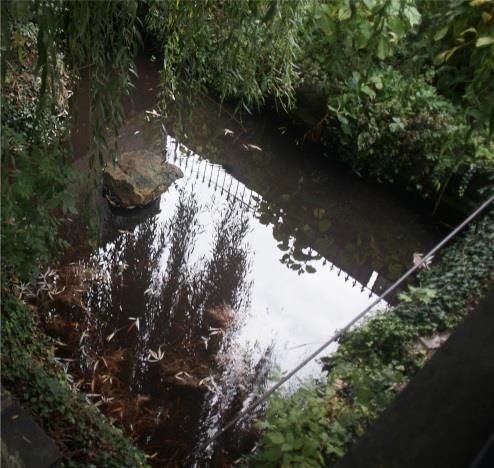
(93, 384)
(153, 113)
(205, 341)
(111, 335)
(178, 375)
(215, 331)
(135, 323)
(84, 334)
(155, 356)
(417, 259)
(141, 399)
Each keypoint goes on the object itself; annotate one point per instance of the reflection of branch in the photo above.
(222, 109)
(227, 268)
(189, 315)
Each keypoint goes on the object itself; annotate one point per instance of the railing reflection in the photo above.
(218, 178)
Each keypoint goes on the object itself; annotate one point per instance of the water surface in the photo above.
(245, 265)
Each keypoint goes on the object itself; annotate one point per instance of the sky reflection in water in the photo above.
(211, 289)
(292, 312)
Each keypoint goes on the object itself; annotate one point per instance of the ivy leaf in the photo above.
(484, 41)
(345, 12)
(366, 90)
(412, 14)
(382, 49)
(370, 4)
(441, 33)
(276, 438)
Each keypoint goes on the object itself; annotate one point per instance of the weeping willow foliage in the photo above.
(241, 49)
(101, 37)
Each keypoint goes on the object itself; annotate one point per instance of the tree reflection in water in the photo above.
(159, 350)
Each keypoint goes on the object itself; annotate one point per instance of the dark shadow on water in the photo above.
(156, 347)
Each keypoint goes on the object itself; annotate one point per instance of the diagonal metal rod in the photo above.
(242, 414)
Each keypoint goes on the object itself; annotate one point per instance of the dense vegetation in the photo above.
(407, 93)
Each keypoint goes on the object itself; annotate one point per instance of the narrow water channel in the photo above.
(247, 264)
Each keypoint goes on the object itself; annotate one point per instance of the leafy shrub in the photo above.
(339, 36)
(464, 46)
(242, 50)
(35, 174)
(399, 129)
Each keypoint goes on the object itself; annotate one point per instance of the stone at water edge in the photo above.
(138, 178)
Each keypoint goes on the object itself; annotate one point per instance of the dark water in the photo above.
(244, 266)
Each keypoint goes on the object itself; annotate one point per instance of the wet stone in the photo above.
(24, 443)
(138, 178)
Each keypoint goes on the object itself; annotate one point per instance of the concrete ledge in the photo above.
(24, 443)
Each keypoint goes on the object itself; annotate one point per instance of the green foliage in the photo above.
(99, 38)
(400, 129)
(34, 170)
(315, 425)
(464, 41)
(299, 436)
(85, 437)
(424, 295)
(342, 36)
(245, 50)
(390, 112)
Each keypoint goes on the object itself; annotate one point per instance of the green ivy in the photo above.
(84, 435)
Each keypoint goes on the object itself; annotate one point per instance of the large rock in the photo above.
(138, 178)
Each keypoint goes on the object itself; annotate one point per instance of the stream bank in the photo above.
(464, 187)
(324, 231)
(192, 303)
